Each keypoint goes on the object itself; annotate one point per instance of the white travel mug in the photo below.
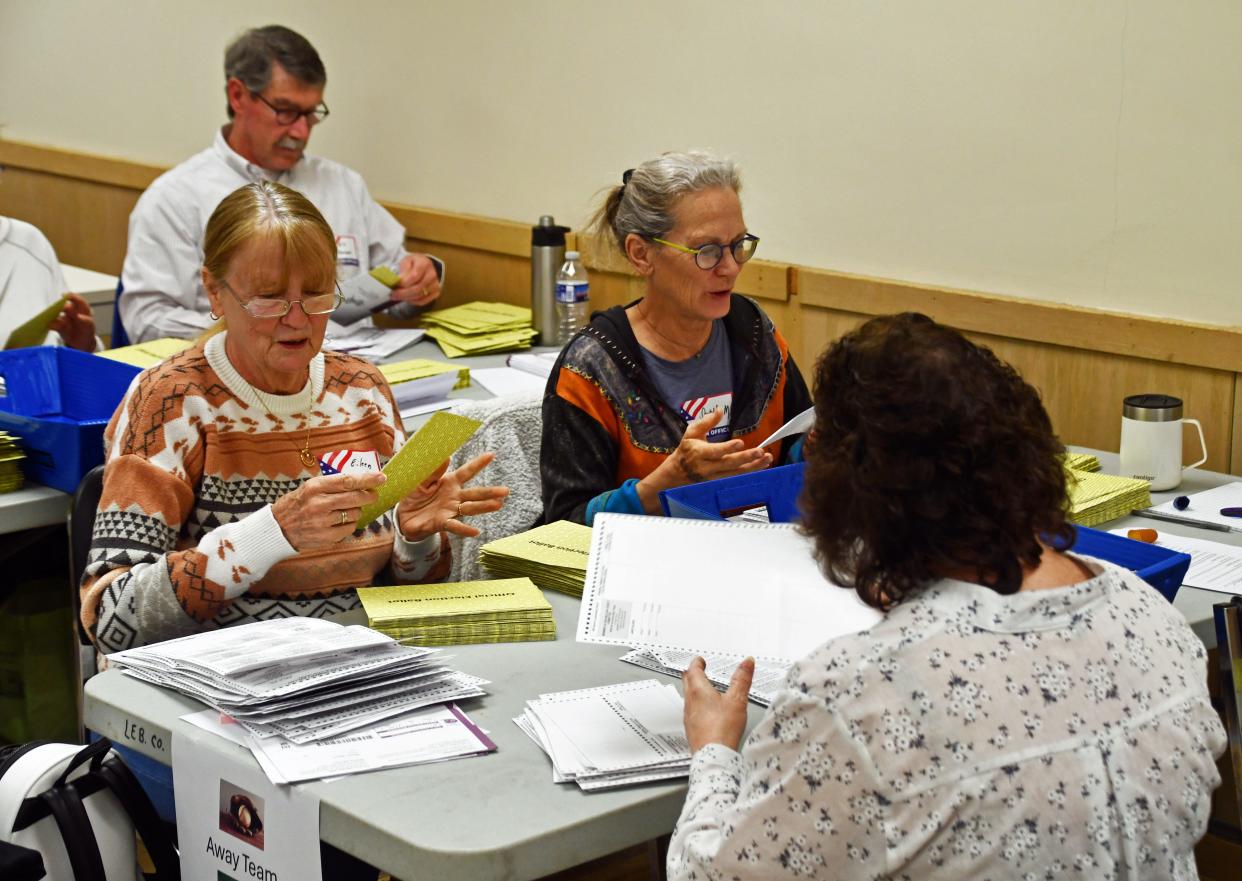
(1151, 440)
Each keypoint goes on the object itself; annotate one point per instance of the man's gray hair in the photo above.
(249, 58)
(643, 203)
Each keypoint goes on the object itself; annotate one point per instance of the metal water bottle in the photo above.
(547, 253)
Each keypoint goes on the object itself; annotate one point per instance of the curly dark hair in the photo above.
(929, 456)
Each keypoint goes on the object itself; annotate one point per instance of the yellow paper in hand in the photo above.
(422, 454)
(34, 331)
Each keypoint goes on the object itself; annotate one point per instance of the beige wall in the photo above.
(1078, 152)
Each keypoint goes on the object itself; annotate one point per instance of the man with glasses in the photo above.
(274, 85)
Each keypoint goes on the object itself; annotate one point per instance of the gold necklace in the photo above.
(304, 453)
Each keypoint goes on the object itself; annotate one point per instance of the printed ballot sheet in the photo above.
(1213, 565)
(711, 587)
(613, 735)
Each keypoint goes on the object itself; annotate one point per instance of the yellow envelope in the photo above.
(34, 331)
(421, 368)
(422, 454)
(147, 354)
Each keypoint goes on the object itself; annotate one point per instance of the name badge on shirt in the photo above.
(350, 462)
(696, 407)
(347, 255)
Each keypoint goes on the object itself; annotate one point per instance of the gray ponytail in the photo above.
(643, 203)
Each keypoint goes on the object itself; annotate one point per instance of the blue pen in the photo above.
(1231, 512)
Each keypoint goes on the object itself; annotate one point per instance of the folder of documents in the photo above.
(712, 587)
(502, 610)
(554, 556)
(617, 735)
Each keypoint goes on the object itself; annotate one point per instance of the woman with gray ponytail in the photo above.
(681, 385)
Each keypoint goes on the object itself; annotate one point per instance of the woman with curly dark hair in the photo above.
(1018, 712)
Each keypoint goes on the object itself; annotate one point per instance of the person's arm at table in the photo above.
(161, 273)
(787, 799)
(421, 275)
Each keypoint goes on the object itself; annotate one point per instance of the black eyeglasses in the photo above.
(289, 115)
(710, 255)
(278, 307)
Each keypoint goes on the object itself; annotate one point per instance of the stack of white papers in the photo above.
(502, 381)
(601, 738)
(537, 364)
(432, 734)
(297, 681)
(766, 683)
(367, 341)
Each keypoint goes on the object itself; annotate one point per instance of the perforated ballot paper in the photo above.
(422, 454)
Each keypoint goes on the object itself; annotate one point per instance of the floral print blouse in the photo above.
(1050, 734)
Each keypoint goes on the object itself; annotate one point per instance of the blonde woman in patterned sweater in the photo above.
(213, 510)
(1019, 713)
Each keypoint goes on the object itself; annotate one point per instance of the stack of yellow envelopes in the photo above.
(479, 328)
(11, 455)
(553, 556)
(1082, 462)
(1098, 498)
(422, 379)
(510, 610)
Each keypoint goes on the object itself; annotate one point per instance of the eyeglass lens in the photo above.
(315, 304)
(709, 255)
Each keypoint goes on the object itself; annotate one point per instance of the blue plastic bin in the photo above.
(1160, 567)
(777, 488)
(58, 402)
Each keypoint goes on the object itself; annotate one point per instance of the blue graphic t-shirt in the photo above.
(700, 384)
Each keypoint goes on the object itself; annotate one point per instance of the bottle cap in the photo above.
(572, 255)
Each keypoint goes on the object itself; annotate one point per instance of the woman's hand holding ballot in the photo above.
(712, 717)
(323, 511)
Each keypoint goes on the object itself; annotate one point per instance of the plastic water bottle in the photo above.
(572, 291)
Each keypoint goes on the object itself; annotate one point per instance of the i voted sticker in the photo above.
(350, 462)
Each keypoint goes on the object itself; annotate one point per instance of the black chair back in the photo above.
(1229, 650)
(82, 522)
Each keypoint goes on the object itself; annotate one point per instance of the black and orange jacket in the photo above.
(604, 421)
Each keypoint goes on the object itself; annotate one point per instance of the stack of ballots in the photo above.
(618, 735)
(423, 379)
(505, 610)
(554, 556)
(302, 680)
(480, 328)
(1097, 498)
(11, 455)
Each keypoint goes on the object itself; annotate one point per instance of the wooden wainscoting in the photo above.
(1083, 361)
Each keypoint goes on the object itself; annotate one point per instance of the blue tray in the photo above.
(1160, 567)
(777, 488)
(58, 402)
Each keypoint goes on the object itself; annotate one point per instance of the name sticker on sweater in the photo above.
(350, 462)
(697, 407)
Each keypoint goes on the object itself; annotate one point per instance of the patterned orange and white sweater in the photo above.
(184, 536)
